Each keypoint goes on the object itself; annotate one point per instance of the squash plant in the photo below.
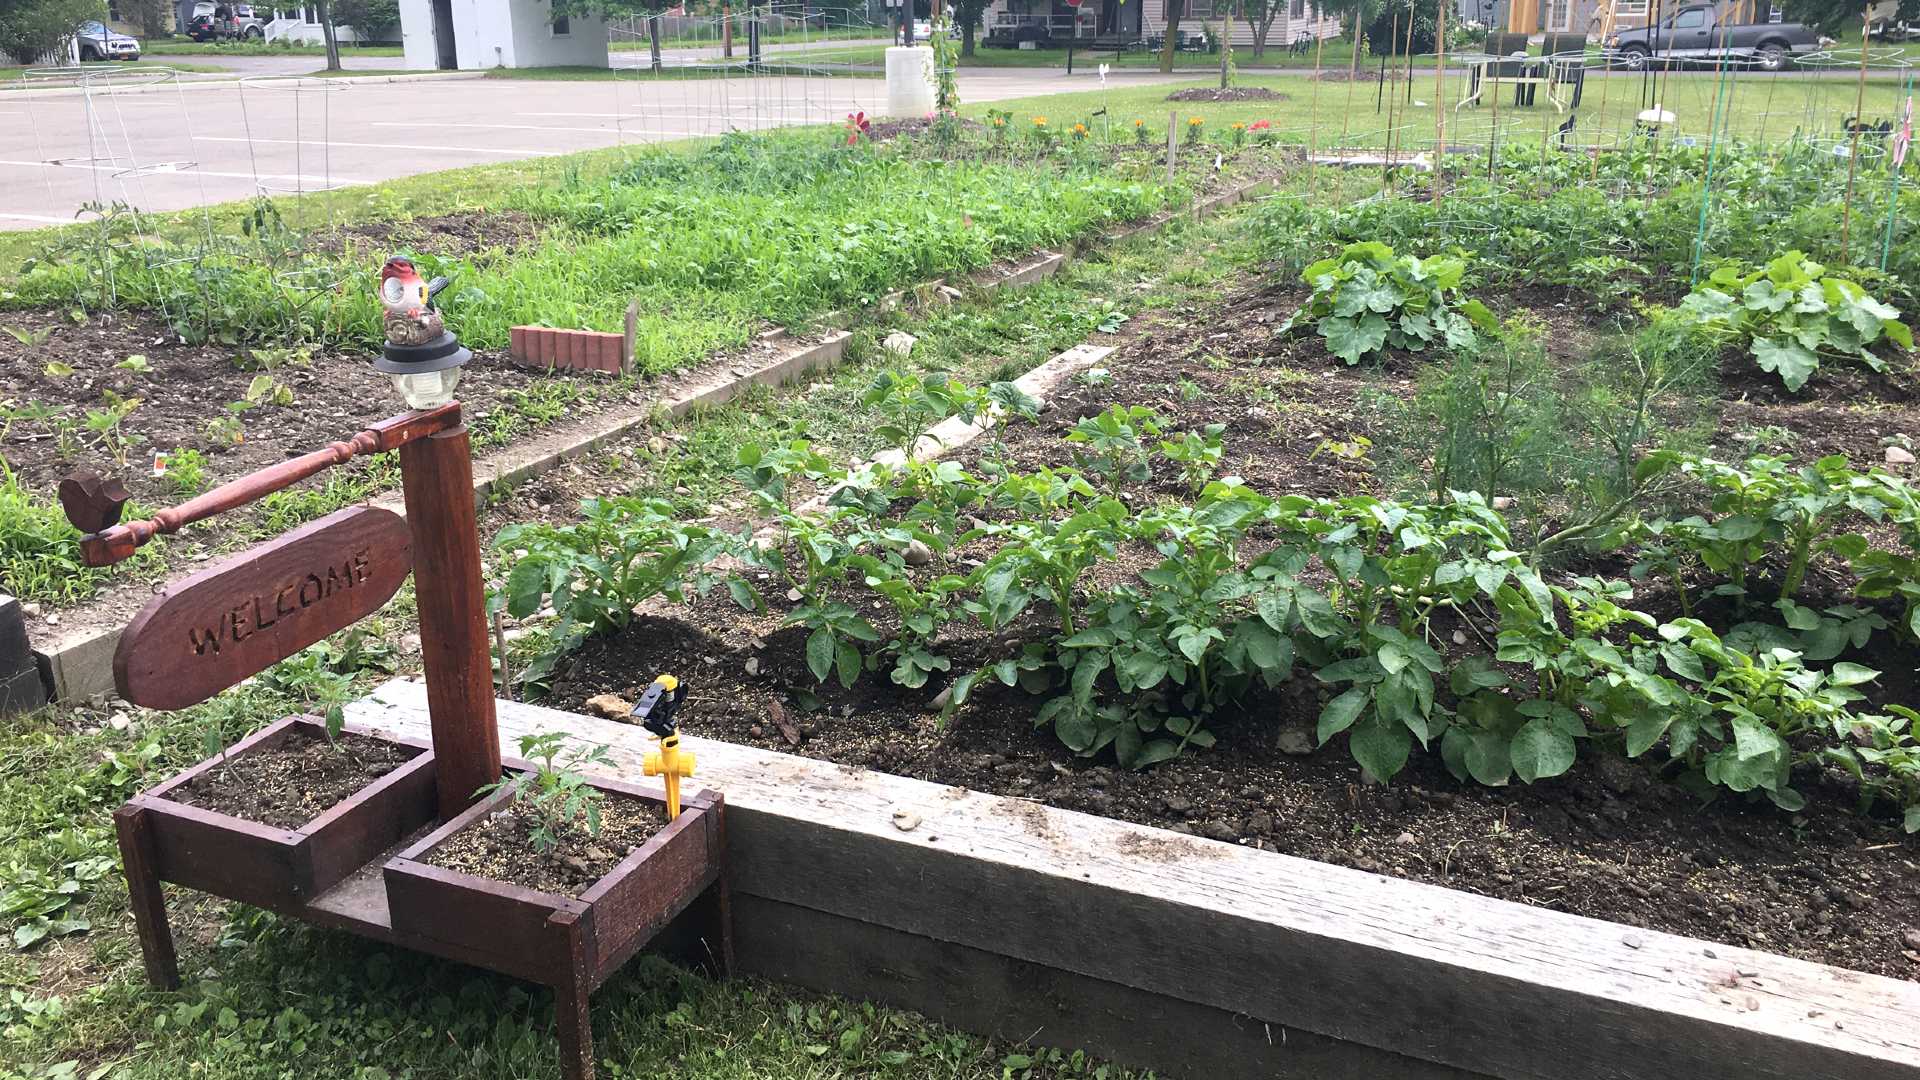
(1367, 299)
(1791, 312)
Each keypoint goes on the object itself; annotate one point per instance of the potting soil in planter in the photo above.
(295, 779)
(500, 847)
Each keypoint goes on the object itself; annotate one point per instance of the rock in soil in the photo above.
(1295, 740)
(611, 706)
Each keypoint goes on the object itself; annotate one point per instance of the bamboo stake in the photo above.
(1853, 157)
(1439, 99)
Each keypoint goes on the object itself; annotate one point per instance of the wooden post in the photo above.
(1173, 136)
(572, 1004)
(629, 361)
(437, 474)
(149, 904)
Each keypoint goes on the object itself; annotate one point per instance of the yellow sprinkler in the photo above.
(655, 713)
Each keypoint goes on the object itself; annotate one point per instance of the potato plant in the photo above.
(1791, 312)
(1367, 299)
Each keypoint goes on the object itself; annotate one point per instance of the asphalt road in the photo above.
(185, 145)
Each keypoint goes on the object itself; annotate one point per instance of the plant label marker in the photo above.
(248, 613)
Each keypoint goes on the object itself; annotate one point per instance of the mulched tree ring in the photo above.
(1232, 93)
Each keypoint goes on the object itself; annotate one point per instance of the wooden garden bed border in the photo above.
(81, 664)
(1204, 959)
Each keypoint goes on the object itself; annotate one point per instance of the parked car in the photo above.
(224, 22)
(1695, 34)
(1885, 24)
(96, 42)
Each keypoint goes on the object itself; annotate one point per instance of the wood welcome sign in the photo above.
(248, 613)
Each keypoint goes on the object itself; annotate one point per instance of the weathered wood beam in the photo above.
(1385, 965)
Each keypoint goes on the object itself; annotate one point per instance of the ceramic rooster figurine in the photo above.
(410, 318)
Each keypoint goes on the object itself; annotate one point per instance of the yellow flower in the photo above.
(1195, 122)
(1039, 121)
(1238, 126)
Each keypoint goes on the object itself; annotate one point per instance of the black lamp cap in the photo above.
(439, 354)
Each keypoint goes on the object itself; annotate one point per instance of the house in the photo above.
(1597, 18)
(149, 18)
(1119, 23)
(473, 34)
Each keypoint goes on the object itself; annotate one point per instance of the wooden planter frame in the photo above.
(355, 868)
(573, 945)
(334, 871)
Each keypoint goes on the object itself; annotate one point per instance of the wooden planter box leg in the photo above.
(572, 1010)
(713, 917)
(149, 904)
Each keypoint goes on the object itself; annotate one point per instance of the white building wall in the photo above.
(416, 35)
(502, 33)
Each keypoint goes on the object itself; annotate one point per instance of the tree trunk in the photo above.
(653, 42)
(966, 38)
(726, 31)
(1175, 9)
(1264, 27)
(1353, 72)
(326, 29)
(1226, 49)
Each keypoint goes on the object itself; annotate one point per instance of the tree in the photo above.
(1175, 9)
(1391, 35)
(30, 29)
(326, 31)
(967, 13)
(1260, 15)
(1832, 17)
(372, 20)
(149, 15)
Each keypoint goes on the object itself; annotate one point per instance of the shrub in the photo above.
(1791, 312)
(1367, 299)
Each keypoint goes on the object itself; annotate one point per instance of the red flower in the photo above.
(1261, 125)
(857, 126)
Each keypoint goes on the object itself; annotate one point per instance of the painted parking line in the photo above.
(510, 151)
(182, 172)
(40, 218)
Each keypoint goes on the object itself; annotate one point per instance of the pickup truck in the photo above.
(1695, 34)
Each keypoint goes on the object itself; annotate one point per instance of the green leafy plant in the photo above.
(553, 794)
(41, 898)
(1791, 312)
(622, 552)
(1367, 299)
(911, 403)
(1114, 446)
(187, 472)
(1198, 455)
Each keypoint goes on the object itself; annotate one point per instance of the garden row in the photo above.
(226, 358)
(1562, 571)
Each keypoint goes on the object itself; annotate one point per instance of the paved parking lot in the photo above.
(174, 146)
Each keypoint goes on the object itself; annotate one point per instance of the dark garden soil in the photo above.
(448, 235)
(294, 780)
(1612, 839)
(335, 394)
(1231, 93)
(500, 847)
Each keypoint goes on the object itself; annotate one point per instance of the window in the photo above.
(1631, 9)
(562, 26)
(1298, 10)
(1198, 9)
(1694, 19)
(310, 15)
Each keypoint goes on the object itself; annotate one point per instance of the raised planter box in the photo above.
(278, 869)
(545, 936)
(1203, 959)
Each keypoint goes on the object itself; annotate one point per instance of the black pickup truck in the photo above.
(1694, 34)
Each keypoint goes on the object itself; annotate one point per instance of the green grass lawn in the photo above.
(1748, 105)
(184, 47)
(711, 39)
(265, 998)
(10, 75)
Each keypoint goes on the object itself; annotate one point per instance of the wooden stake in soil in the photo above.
(628, 361)
(1173, 121)
(1439, 98)
(437, 475)
(1859, 121)
(500, 646)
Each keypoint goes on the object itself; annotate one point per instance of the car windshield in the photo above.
(91, 28)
